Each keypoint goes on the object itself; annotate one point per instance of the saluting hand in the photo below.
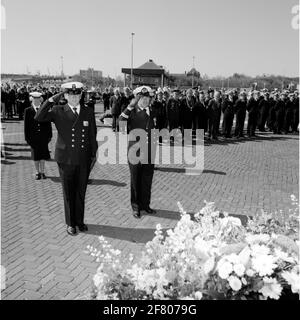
(57, 97)
(133, 102)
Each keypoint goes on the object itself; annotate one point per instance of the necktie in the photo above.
(75, 112)
(37, 109)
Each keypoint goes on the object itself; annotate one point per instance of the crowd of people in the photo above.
(15, 97)
(276, 111)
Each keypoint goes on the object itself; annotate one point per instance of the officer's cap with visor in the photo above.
(143, 91)
(35, 94)
(73, 88)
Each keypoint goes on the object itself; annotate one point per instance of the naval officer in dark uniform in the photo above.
(76, 148)
(139, 115)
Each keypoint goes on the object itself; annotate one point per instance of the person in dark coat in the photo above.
(202, 121)
(22, 102)
(138, 115)
(37, 135)
(288, 113)
(228, 114)
(159, 106)
(75, 151)
(106, 97)
(295, 121)
(10, 102)
(252, 108)
(189, 111)
(173, 111)
(263, 111)
(240, 108)
(279, 110)
(271, 116)
(213, 115)
(115, 107)
(126, 98)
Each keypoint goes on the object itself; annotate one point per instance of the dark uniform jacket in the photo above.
(160, 112)
(36, 133)
(189, 113)
(252, 106)
(76, 139)
(115, 105)
(139, 119)
(173, 113)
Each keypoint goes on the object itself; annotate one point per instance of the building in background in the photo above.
(149, 74)
(90, 74)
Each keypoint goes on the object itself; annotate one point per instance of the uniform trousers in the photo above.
(141, 176)
(74, 180)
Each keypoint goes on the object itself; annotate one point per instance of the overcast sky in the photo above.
(225, 36)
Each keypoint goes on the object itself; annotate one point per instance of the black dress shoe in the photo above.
(150, 211)
(43, 176)
(83, 228)
(38, 176)
(136, 214)
(71, 231)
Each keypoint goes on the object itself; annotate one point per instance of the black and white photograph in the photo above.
(149, 152)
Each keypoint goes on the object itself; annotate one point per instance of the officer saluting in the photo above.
(37, 135)
(140, 116)
(76, 148)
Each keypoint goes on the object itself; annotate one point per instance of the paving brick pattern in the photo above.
(43, 262)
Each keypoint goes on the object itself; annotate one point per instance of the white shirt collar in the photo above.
(77, 108)
(34, 107)
(147, 110)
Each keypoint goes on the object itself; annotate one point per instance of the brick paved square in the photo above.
(42, 261)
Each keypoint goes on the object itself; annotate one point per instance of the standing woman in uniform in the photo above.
(37, 135)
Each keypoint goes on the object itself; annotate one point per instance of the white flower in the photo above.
(244, 256)
(258, 249)
(225, 269)
(235, 283)
(264, 265)
(244, 281)
(98, 279)
(256, 238)
(198, 295)
(239, 269)
(233, 258)
(209, 265)
(250, 273)
(271, 289)
(283, 255)
(293, 280)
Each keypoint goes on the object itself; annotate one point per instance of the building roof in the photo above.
(150, 65)
(147, 69)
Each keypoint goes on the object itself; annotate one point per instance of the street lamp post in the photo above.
(62, 66)
(193, 71)
(131, 71)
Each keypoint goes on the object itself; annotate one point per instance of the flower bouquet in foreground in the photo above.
(208, 256)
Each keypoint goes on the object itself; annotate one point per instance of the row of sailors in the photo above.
(194, 109)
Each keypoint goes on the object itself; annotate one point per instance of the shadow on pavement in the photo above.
(137, 235)
(95, 182)
(182, 170)
(140, 235)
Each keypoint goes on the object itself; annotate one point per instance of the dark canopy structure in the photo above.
(149, 74)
